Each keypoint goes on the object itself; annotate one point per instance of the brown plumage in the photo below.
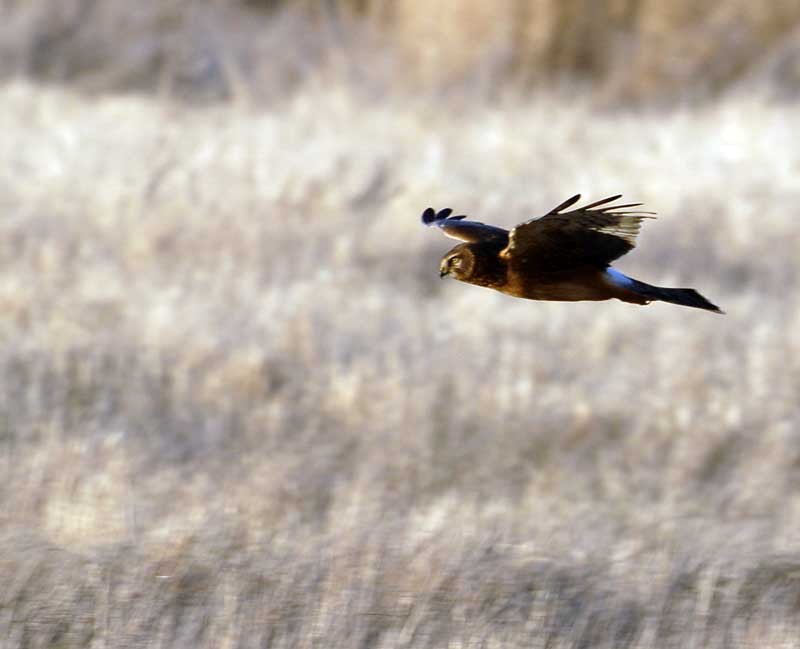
(563, 255)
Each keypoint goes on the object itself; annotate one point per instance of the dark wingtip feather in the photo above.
(601, 202)
(429, 216)
(567, 203)
(618, 207)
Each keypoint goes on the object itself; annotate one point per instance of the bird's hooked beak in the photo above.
(444, 271)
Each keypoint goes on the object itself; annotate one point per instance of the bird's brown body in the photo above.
(571, 285)
(561, 256)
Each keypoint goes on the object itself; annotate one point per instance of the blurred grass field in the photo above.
(239, 408)
(620, 52)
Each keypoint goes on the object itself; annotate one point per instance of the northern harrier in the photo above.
(559, 256)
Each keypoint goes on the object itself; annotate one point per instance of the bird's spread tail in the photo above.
(682, 296)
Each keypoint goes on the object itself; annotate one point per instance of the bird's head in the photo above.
(458, 263)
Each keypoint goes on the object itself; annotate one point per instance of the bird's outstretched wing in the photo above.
(456, 228)
(595, 234)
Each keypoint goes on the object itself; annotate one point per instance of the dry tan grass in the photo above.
(261, 51)
(239, 408)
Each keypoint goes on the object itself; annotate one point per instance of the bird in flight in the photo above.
(563, 255)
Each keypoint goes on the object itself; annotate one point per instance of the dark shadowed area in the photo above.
(238, 408)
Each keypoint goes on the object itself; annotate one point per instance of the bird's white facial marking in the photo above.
(618, 278)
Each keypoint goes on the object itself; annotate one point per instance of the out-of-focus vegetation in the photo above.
(238, 408)
(628, 50)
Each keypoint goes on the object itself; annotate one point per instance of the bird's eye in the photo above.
(455, 261)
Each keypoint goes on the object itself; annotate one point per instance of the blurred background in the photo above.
(238, 408)
(263, 51)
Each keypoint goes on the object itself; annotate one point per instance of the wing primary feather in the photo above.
(443, 214)
(570, 201)
(457, 218)
(618, 207)
(429, 216)
(602, 202)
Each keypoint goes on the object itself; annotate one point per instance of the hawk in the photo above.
(563, 255)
